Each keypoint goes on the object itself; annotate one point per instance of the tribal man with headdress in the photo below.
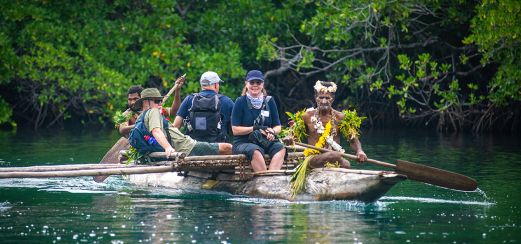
(323, 125)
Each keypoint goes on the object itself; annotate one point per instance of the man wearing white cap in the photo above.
(206, 115)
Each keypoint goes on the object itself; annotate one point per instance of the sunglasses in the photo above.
(157, 101)
(253, 82)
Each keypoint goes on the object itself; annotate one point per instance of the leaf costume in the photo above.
(349, 127)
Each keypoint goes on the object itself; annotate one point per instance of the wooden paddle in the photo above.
(112, 156)
(172, 89)
(419, 172)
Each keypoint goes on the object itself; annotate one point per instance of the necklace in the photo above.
(319, 126)
(332, 132)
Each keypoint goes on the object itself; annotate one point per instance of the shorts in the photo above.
(202, 148)
(248, 149)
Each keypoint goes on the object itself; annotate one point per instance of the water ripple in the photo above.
(5, 206)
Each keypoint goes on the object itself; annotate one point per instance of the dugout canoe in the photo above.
(233, 176)
(321, 184)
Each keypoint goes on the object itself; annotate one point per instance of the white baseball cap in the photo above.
(209, 78)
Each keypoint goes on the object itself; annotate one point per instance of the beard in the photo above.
(133, 108)
(324, 106)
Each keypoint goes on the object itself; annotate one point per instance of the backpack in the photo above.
(204, 121)
(142, 140)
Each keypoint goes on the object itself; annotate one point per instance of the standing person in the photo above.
(323, 126)
(206, 115)
(255, 124)
(153, 133)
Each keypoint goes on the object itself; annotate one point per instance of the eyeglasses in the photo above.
(157, 101)
(253, 82)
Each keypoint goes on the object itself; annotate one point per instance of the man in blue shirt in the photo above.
(206, 115)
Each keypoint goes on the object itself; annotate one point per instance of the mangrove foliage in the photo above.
(450, 65)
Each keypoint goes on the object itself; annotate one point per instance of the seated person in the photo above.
(126, 121)
(153, 133)
(255, 124)
(206, 115)
(323, 125)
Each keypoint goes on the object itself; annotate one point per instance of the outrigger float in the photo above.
(233, 174)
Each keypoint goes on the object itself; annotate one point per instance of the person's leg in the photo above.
(319, 161)
(205, 148)
(254, 154)
(277, 160)
(257, 161)
(277, 152)
(225, 148)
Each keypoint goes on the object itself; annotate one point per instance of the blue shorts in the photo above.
(248, 149)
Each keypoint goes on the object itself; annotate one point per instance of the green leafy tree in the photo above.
(452, 64)
(76, 60)
(407, 56)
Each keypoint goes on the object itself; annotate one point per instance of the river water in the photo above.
(78, 210)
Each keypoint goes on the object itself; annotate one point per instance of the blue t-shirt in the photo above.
(226, 107)
(242, 115)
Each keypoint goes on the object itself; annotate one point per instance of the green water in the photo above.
(77, 210)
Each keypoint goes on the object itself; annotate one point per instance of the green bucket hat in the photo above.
(148, 94)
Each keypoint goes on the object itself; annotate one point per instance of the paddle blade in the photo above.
(435, 176)
(112, 156)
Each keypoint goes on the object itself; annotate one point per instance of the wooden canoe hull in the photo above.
(321, 184)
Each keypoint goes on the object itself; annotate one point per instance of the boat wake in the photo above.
(434, 200)
(72, 185)
(343, 204)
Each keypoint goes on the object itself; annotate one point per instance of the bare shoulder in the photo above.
(308, 113)
(338, 114)
(126, 112)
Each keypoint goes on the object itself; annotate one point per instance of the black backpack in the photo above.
(204, 121)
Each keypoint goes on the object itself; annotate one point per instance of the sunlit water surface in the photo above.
(70, 210)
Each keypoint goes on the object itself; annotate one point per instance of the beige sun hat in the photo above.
(147, 94)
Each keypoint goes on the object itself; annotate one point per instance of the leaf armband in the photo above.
(349, 126)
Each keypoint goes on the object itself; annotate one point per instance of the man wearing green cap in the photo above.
(153, 133)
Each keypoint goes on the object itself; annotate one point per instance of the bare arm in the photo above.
(242, 130)
(177, 96)
(161, 139)
(178, 122)
(124, 129)
(275, 130)
(357, 147)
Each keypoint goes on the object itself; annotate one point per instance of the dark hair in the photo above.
(135, 89)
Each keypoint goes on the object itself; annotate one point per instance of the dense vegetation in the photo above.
(449, 64)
